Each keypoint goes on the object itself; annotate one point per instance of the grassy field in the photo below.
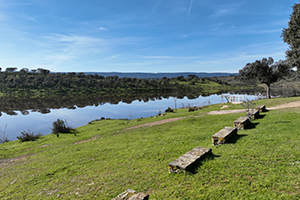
(263, 163)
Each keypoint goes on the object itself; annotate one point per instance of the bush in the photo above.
(28, 136)
(3, 136)
(191, 109)
(60, 126)
(169, 110)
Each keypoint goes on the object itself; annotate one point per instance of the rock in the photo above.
(189, 160)
(261, 108)
(131, 195)
(241, 122)
(224, 135)
(253, 114)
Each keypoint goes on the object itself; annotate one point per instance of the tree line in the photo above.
(43, 81)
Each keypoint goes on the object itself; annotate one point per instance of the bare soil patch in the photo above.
(286, 105)
(218, 112)
(156, 123)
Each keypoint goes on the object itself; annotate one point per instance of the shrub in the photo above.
(60, 126)
(28, 136)
(191, 109)
(3, 136)
(169, 110)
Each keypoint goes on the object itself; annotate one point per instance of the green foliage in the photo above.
(60, 126)
(28, 136)
(11, 69)
(3, 136)
(192, 109)
(291, 37)
(169, 110)
(71, 83)
(265, 71)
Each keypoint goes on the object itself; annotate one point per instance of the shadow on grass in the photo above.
(235, 138)
(251, 125)
(261, 116)
(195, 168)
(72, 131)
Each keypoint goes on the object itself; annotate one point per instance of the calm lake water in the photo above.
(38, 122)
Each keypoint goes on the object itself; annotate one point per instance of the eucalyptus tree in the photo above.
(265, 71)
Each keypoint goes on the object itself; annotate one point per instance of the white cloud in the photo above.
(130, 64)
(171, 57)
(190, 8)
(74, 39)
(223, 10)
(68, 48)
(102, 29)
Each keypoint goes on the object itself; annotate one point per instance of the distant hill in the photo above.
(159, 75)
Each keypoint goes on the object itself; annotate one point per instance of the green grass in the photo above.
(262, 164)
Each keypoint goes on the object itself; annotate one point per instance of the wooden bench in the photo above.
(253, 114)
(261, 108)
(131, 195)
(224, 135)
(189, 160)
(241, 122)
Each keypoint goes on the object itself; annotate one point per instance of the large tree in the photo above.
(291, 36)
(11, 69)
(265, 71)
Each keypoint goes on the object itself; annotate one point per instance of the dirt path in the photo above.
(218, 112)
(287, 105)
(156, 123)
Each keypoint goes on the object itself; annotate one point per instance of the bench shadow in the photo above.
(193, 169)
(261, 116)
(235, 138)
(251, 125)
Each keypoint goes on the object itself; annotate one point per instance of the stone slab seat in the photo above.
(224, 135)
(241, 122)
(132, 195)
(189, 160)
(261, 108)
(253, 114)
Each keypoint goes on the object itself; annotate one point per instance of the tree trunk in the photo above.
(268, 92)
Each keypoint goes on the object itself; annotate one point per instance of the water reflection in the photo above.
(37, 115)
(26, 105)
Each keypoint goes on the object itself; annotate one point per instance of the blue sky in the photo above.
(141, 35)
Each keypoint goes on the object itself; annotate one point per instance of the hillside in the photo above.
(159, 75)
(106, 157)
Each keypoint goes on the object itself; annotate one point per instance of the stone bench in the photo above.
(253, 114)
(241, 122)
(189, 160)
(261, 108)
(224, 135)
(132, 195)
